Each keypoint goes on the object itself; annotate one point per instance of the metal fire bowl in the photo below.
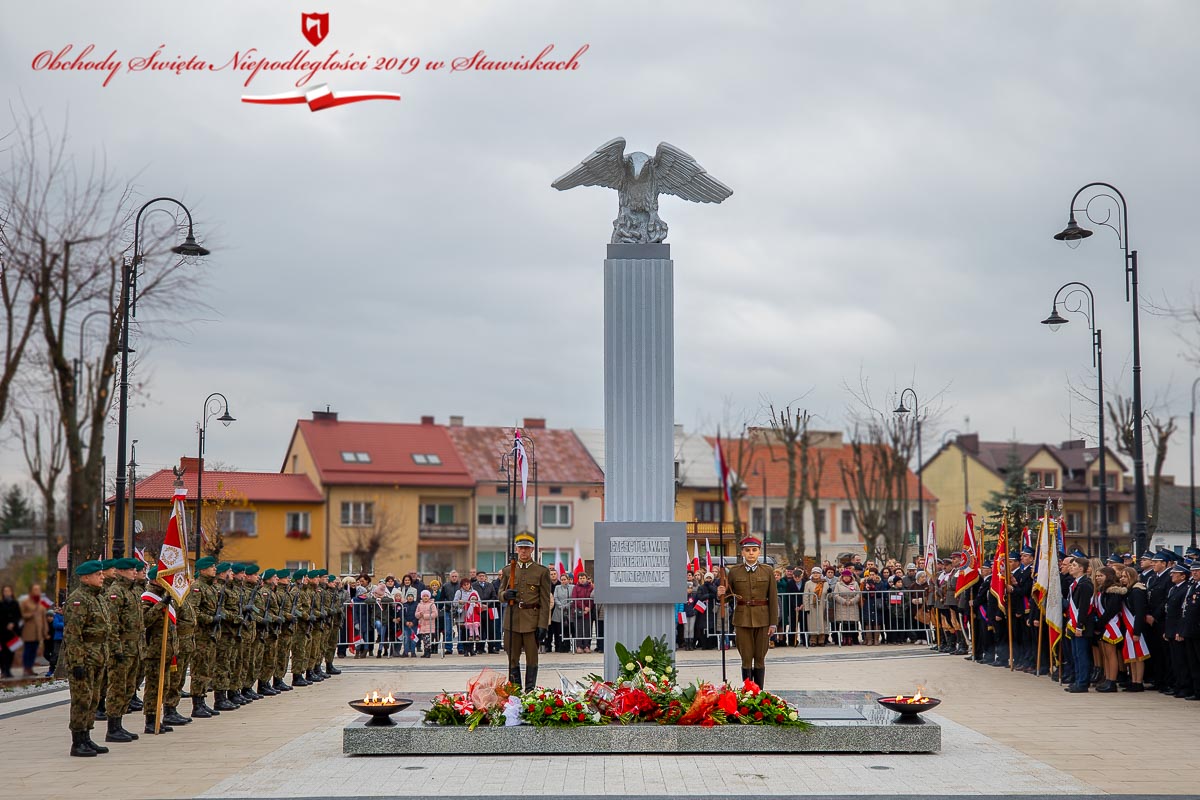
(909, 712)
(381, 713)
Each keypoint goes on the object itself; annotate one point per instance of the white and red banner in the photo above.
(707, 557)
(14, 644)
(577, 567)
(972, 547)
(559, 566)
(151, 598)
(724, 476)
(695, 555)
(172, 558)
(999, 580)
(931, 550)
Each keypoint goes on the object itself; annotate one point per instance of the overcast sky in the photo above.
(898, 170)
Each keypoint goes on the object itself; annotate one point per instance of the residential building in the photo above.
(1175, 517)
(263, 517)
(972, 471)
(398, 498)
(564, 494)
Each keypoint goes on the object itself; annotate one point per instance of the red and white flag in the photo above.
(724, 477)
(707, 557)
(172, 558)
(972, 547)
(492, 612)
(695, 555)
(1027, 538)
(151, 598)
(1135, 647)
(140, 554)
(999, 579)
(15, 644)
(681, 618)
(931, 550)
(559, 566)
(577, 568)
(522, 462)
(701, 606)
(45, 601)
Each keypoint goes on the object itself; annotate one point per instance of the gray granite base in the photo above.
(850, 729)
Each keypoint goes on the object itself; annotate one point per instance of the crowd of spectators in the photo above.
(32, 626)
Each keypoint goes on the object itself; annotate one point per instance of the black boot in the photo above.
(300, 680)
(249, 692)
(514, 676)
(116, 733)
(87, 738)
(135, 705)
(163, 728)
(172, 716)
(530, 678)
(79, 745)
(223, 702)
(759, 674)
(264, 689)
(746, 673)
(320, 673)
(330, 669)
(100, 714)
(199, 710)
(281, 686)
(204, 704)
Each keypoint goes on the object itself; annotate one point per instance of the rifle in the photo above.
(219, 617)
(292, 610)
(241, 610)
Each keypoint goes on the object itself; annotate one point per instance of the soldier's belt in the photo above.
(752, 603)
(529, 605)
(93, 638)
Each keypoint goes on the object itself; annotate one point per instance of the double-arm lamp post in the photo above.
(1073, 303)
(511, 471)
(189, 248)
(1074, 233)
(916, 411)
(212, 404)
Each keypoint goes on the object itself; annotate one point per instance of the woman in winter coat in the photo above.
(1107, 602)
(581, 607)
(560, 623)
(1136, 629)
(426, 614)
(406, 598)
(846, 601)
(36, 627)
(706, 619)
(816, 607)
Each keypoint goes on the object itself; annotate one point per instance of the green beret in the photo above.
(283, 574)
(152, 573)
(205, 563)
(89, 567)
(252, 569)
(224, 566)
(126, 563)
(300, 573)
(268, 574)
(318, 573)
(108, 563)
(239, 569)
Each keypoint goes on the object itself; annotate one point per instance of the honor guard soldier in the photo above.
(85, 648)
(125, 608)
(156, 606)
(751, 586)
(205, 598)
(526, 590)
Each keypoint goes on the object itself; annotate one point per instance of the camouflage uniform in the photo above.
(125, 607)
(205, 600)
(231, 631)
(303, 608)
(185, 638)
(86, 634)
(283, 647)
(153, 615)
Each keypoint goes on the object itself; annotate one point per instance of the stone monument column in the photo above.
(640, 551)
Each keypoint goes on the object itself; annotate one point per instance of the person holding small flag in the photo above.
(751, 587)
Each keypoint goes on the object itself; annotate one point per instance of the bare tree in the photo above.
(215, 525)
(21, 303)
(366, 542)
(42, 444)
(812, 468)
(790, 428)
(1161, 431)
(739, 453)
(1120, 412)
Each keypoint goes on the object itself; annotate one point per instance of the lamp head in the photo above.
(1055, 320)
(1072, 233)
(901, 408)
(190, 247)
(225, 419)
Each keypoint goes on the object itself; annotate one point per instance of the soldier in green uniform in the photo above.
(108, 575)
(125, 647)
(287, 622)
(752, 587)
(206, 600)
(527, 593)
(301, 608)
(185, 649)
(252, 616)
(267, 634)
(316, 619)
(156, 606)
(84, 654)
(231, 625)
(139, 586)
(337, 613)
(241, 639)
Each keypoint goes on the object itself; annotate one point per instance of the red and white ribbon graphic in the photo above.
(318, 98)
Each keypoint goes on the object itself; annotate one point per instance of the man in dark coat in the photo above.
(1158, 584)
(1079, 624)
(1173, 630)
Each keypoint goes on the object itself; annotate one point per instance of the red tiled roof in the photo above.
(561, 457)
(391, 446)
(256, 487)
(773, 456)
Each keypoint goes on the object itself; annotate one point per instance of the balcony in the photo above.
(457, 532)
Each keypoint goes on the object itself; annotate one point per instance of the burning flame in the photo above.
(916, 698)
(373, 699)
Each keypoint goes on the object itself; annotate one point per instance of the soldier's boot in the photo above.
(514, 676)
(163, 728)
(746, 674)
(199, 710)
(135, 705)
(116, 733)
(280, 685)
(531, 678)
(265, 689)
(318, 675)
(300, 680)
(100, 715)
(223, 702)
(249, 692)
(330, 668)
(79, 746)
(311, 676)
(204, 704)
(237, 698)
(759, 674)
(172, 716)
(87, 738)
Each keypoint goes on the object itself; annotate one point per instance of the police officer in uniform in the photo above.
(527, 594)
(752, 587)
(85, 645)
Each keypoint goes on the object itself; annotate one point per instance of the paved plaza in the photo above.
(1002, 734)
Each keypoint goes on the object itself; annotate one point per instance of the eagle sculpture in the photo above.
(639, 180)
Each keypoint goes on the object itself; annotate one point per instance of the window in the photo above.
(437, 514)
(295, 565)
(490, 561)
(1111, 481)
(916, 520)
(358, 513)
(296, 468)
(756, 520)
(847, 526)
(237, 523)
(708, 511)
(555, 490)
(1049, 479)
(491, 515)
(427, 459)
(775, 520)
(820, 522)
(354, 457)
(1074, 521)
(350, 565)
(297, 523)
(556, 515)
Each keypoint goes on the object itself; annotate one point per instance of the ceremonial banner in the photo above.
(172, 558)
(522, 462)
(999, 578)
(577, 568)
(969, 575)
(931, 550)
(1046, 586)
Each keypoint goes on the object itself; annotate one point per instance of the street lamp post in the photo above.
(189, 248)
(1074, 233)
(1192, 463)
(511, 471)
(1055, 321)
(903, 409)
(766, 528)
(212, 404)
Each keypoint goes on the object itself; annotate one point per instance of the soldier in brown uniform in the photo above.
(752, 587)
(85, 646)
(527, 616)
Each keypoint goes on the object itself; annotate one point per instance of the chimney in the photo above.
(427, 420)
(456, 421)
(1073, 444)
(534, 423)
(969, 442)
(325, 416)
(189, 465)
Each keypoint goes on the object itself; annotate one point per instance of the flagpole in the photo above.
(724, 600)
(162, 664)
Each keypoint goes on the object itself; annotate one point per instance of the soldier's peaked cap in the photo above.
(1027, 550)
(1180, 568)
(524, 540)
(751, 541)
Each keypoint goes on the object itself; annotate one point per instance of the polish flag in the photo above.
(559, 566)
(45, 601)
(707, 557)
(696, 555)
(15, 644)
(701, 606)
(577, 570)
(492, 612)
(1027, 538)
(151, 598)
(681, 617)
(172, 558)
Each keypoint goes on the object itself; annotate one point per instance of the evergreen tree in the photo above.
(1022, 510)
(15, 511)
